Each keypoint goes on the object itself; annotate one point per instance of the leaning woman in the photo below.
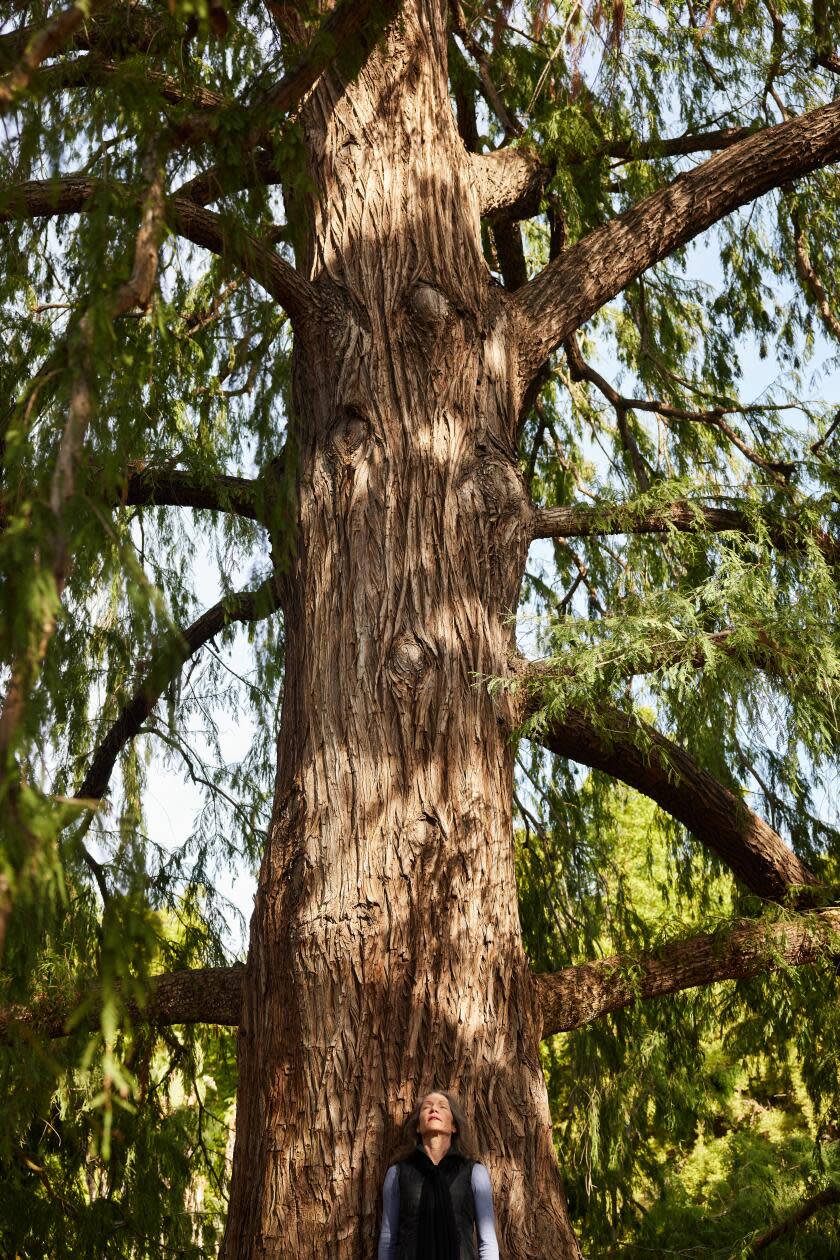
(437, 1198)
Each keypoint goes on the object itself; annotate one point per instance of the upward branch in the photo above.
(573, 287)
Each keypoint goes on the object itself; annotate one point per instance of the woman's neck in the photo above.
(436, 1145)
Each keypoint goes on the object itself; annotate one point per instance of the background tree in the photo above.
(442, 307)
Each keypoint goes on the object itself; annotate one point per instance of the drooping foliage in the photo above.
(691, 432)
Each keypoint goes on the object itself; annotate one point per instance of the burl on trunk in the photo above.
(385, 954)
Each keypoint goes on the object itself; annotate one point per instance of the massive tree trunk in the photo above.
(386, 955)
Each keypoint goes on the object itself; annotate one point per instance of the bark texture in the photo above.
(569, 998)
(386, 955)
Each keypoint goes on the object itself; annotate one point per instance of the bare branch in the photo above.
(674, 146)
(569, 998)
(70, 193)
(578, 283)
(578, 995)
(583, 521)
(580, 370)
(661, 770)
(244, 606)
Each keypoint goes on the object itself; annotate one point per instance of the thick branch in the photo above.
(573, 287)
(663, 771)
(43, 45)
(121, 28)
(70, 193)
(569, 998)
(245, 606)
(210, 995)
(509, 180)
(577, 995)
(146, 485)
(583, 521)
(93, 70)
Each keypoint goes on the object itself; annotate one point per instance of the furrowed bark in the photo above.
(583, 521)
(573, 287)
(386, 951)
(509, 180)
(350, 23)
(568, 999)
(242, 607)
(663, 771)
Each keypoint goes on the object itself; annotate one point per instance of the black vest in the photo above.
(411, 1186)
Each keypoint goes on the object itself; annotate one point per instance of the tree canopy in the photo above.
(679, 681)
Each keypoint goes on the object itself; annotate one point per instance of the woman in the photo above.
(437, 1197)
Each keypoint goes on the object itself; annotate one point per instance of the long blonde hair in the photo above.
(463, 1142)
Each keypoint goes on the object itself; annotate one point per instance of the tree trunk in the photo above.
(386, 955)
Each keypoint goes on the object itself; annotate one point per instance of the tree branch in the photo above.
(578, 995)
(583, 521)
(663, 771)
(570, 998)
(244, 606)
(509, 180)
(70, 193)
(146, 486)
(573, 287)
(45, 44)
(208, 995)
(121, 28)
(673, 146)
(806, 1209)
(811, 282)
(580, 370)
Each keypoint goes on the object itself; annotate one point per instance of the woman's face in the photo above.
(436, 1115)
